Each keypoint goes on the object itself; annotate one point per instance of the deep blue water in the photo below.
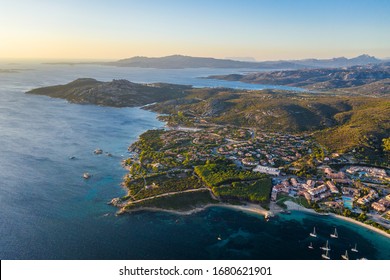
(49, 212)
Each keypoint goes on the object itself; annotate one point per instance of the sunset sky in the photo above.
(265, 30)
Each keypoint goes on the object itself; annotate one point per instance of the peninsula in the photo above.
(117, 93)
(367, 80)
(263, 147)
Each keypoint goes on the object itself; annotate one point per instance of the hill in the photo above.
(341, 123)
(363, 80)
(337, 62)
(117, 93)
(377, 88)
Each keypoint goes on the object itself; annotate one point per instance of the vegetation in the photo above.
(178, 202)
(339, 123)
(117, 93)
(217, 174)
(150, 140)
(386, 144)
(227, 182)
(257, 191)
(282, 198)
(361, 129)
(160, 184)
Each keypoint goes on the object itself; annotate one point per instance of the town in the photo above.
(300, 169)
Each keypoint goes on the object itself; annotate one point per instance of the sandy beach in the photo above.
(293, 206)
(377, 230)
(256, 209)
(249, 208)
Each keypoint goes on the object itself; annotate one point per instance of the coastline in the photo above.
(249, 208)
(377, 230)
(293, 206)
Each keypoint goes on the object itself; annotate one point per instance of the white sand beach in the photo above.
(294, 206)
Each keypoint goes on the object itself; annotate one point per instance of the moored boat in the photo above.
(345, 256)
(335, 234)
(326, 256)
(354, 249)
(313, 234)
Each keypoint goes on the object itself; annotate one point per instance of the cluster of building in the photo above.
(368, 173)
(311, 189)
(382, 205)
(265, 151)
(194, 146)
(334, 187)
(269, 153)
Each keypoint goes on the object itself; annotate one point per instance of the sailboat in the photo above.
(345, 256)
(326, 256)
(327, 247)
(355, 248)
(310, 245)
(313, 234)
(335, 234)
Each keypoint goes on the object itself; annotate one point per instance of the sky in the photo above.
(262, 29)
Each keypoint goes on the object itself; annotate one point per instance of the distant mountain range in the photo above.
(363, 59)
(181, 61)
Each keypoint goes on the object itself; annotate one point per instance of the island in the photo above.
(252, 149)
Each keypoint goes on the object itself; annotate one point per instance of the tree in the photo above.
(347, 213)
(362, 217)
(386, 144)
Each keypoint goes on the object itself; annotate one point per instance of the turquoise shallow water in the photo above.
(49, 212)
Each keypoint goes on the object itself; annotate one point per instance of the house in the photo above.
(318, 190)
(294, 182)
(332, 187)
(378, 207)
(384, 202)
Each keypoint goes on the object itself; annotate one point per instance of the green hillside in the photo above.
(340, 123)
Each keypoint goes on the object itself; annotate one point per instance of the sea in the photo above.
(48, 211)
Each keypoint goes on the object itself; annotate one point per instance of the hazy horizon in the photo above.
(92, 60)
(265, 30)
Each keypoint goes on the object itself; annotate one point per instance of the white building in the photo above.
(267, 170)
